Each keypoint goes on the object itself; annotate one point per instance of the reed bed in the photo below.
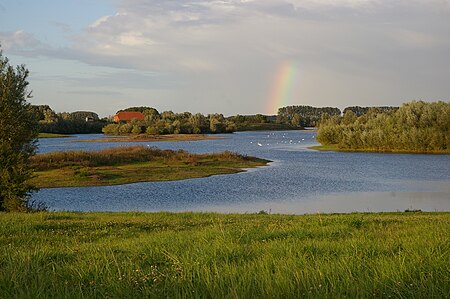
(120, 156)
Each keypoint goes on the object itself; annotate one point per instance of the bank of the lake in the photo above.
(52, 135)
(125, 165)
(151, 138)
(336, 148)
(196, 255)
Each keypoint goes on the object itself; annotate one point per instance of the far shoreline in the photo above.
(335, 148)
(152, 138)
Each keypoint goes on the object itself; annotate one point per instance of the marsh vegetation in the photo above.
(124, 165)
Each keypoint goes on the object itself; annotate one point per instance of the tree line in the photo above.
(304, 116)
(168, 122)
(78, 122)
(416, 126)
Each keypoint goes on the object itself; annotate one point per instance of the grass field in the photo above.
(124, 165)
(194, 255)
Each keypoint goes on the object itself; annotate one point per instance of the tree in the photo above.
(296, 120)
(18, 132)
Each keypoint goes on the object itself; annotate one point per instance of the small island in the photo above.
(125, 165)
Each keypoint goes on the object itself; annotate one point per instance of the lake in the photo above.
(298, 181)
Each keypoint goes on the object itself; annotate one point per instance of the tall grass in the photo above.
(120, 156)
(189, 255)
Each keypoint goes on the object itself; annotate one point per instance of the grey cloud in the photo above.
(20, 42)
(230, 50)
(93, 92)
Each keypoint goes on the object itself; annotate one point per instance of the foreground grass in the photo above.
(124, 165)
(336, 148)
(192, 255)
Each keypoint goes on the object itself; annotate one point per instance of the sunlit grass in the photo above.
(165, 255)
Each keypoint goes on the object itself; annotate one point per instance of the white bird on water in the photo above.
(259, 144)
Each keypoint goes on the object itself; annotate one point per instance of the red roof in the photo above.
(128, 116)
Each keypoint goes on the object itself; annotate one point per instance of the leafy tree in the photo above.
(309, 116)
(416, 126)
(18, 132)
(295, 121)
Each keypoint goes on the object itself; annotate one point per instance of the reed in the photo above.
(120, 156)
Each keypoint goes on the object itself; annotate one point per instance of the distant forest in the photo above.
(305, 116)
(415, 127)
(79, 122)
(168, 122)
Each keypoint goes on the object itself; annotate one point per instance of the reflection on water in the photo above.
(345, 203)
(298, 181)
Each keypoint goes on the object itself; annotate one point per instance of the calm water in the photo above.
(298, 181)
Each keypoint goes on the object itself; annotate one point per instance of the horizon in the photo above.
(231, 57)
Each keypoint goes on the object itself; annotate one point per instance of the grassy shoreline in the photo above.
(335, 148)
(52, 135)
(126, 165)
(153, 138)
(206, 255)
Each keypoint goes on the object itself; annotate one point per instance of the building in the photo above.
(128, 116)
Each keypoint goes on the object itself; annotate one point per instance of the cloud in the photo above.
(229, 50)
(20, 42)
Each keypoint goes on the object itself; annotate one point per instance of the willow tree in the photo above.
(18, 132)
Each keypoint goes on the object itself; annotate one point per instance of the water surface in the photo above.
(298, 180)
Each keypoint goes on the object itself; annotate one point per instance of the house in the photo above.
(128, 116)
(89, 119)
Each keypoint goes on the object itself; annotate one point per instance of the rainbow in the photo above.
(281, 88)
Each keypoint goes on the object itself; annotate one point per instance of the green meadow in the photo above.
(206, 255)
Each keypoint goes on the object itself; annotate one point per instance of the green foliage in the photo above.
(416, 127)
(296, 120)
(206, 255)
(82, 116)
(143, 109)
(168, 122)
(309, 116)
(18, 130)
(358, 111)
(78, 122)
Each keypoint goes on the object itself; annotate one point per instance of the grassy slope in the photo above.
(164, 255)
(124, 165)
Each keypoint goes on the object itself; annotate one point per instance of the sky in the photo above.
(228, 56)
